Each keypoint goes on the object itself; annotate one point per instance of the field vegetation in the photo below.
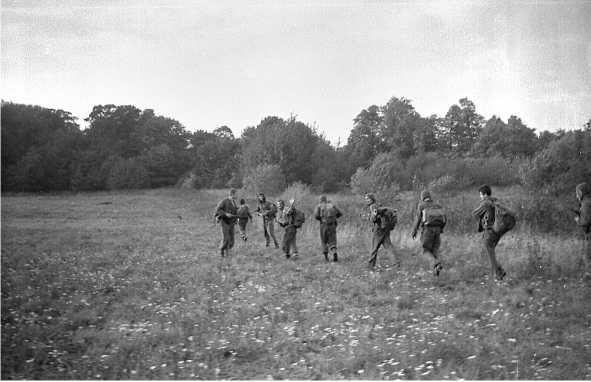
(130, 285)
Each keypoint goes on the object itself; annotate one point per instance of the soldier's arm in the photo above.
(339, 213)
(417, 220)
(219, 209)
(317, 213)
(480, 210)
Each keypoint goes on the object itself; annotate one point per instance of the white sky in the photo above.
(209, 64)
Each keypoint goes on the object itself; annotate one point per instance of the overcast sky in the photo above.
(214, 63)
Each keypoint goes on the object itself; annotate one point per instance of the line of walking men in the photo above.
(494, 220)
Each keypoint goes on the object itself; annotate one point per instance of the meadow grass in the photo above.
(130, 285)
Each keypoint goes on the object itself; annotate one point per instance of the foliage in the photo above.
(562, 165)
(127, 173)
(265, 178)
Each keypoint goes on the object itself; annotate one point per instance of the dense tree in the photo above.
(462, 126)
(509, 140)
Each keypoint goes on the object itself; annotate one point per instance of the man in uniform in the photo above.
(268, 211)
(327, 214)
(431, 220)
(381, 233)
(225, 213)
(289, 222)
(485, 212)
(583, 219)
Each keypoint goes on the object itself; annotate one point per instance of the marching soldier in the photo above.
(225, 213)
(244, 216)
(268, 211)
(327, 214)
(431, 220)
(383, 220)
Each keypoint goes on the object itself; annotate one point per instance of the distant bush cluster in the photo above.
(391, 148)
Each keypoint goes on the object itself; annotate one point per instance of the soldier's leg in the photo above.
(323, 241)
(430, 241)
(376, 242)
(491, 239)
(231, 232)
(225, 238)
(242, 229)
(288, 239)
(272, 232)
(266, 231)
(388, 244)
(294, 244)
(331, 241)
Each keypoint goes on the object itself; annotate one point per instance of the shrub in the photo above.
(265, 178)
(128, 174)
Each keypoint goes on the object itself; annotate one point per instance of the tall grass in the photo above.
(131, 286)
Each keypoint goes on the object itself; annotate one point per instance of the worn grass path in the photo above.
(130, 286)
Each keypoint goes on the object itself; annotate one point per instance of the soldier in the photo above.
(485, 212)
(244, 216)
(291, 220)
(383, 220)
(327, 214)
(583, 219)
(268, 211)
(225, 213)
(431, 219)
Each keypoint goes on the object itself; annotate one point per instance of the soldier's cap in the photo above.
(425, 194)
(370, 196)
(232, 191)
(323, 198)
(583, 189)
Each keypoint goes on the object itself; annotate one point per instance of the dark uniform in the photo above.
(288, 217)
(327, 214)
(244, 216)
(485, 212)
(430, 234)
(226, 214)
(268, 211)
(380, 237)
(583, 192)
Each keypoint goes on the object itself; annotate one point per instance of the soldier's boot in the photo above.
(501, 273)
(335, 257)
(437, 268)
(326, 256)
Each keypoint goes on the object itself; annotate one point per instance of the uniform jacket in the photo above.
(485, 212)
(288, 217)
(419, 217)
(243, 213)
(318, 212)
(267, 209)
(226, 206)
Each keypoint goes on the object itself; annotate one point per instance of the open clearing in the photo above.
(131, 286)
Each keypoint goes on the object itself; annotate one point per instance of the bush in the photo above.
(128, 174)
(265, 178)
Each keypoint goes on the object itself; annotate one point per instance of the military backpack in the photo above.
(387, 218)
(505, 219)
(433, 215)
(328, 214)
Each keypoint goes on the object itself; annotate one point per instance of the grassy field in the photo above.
(131, 286)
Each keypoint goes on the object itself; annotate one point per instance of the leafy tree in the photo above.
(462, 126)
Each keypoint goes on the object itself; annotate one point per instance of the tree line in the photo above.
(389, 147)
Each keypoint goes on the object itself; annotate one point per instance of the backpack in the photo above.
(388, 218)
(328, 214)
(299, 218)
(433, 215)
(505, 219)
